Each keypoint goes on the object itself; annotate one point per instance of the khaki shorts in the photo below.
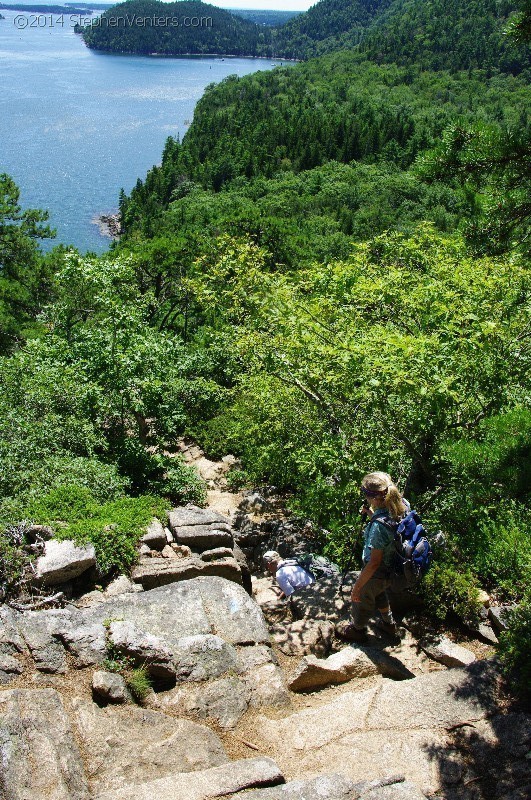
(373, 597)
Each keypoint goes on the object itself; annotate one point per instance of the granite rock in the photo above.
(40, 757)
(222, 781)
(62, 562)
(132, 745)
(446, 652)
(155, 536)
(155, 572)
(110, 687)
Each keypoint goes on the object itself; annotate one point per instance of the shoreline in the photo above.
(108, 224)
(191, 55)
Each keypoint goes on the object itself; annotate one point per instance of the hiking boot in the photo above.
(387, 627)
(349, 633)
(390, 628)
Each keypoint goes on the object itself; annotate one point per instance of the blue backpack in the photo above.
(413, 554)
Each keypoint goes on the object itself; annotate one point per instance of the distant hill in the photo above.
(327, 26)
(180, 28)
(265, 17)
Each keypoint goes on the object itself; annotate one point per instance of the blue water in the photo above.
(76, 126)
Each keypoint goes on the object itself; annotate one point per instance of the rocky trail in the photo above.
(252, 698)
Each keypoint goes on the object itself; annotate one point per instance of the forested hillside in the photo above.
(446, 34)
(328, 275)
(328, 25)
(453, 35)
(151, 27)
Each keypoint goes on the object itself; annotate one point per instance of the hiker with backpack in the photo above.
(289, 574)
(383, 501)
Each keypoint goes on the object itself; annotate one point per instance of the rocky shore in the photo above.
(109, 225)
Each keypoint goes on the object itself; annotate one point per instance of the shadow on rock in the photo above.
(485, 759)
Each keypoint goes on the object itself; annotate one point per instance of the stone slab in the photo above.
(204, 537)
(193, 515)
(314, 673)
(130, 745)
(202, 785)
(325, 787)
(361, 734)
(155, 572)
(447, 652)
(40, 757)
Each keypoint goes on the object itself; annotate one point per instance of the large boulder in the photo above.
(62, 562)
(188, 516)
(364, 733)
(40, 756)
(314, 673)
(147, 650)
(193, 634)
(200, 528)
(347, 664)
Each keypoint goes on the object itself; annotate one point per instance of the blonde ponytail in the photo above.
(380, 485)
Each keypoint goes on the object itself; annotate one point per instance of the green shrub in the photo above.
(237, 479)
(515, 647)
(451, 588)
(114, 528)
(139, 683)
(12, 560)
(154, 473)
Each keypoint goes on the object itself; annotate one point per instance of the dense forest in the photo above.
(438, 35)
(329, 274)
(151, 27)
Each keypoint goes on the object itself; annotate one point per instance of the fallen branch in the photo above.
(54, 599)
(460, 725)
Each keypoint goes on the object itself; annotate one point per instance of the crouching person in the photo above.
(289, 575)
(369, 593)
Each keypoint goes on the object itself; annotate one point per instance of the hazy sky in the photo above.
(283, 5)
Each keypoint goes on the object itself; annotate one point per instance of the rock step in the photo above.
(226, 779)
(127, 745)
(360, 734)
(336, 787)
(154, 572)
